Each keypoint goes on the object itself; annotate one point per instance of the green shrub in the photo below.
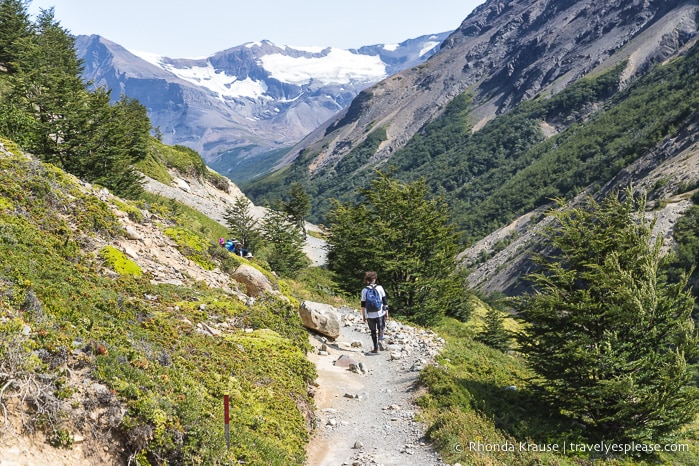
(118, 262)
(192, 246)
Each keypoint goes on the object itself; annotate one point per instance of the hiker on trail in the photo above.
(240, 250)
(374, 308)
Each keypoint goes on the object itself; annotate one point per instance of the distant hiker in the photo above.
(240, 250)
(222, 242)
(374, 308)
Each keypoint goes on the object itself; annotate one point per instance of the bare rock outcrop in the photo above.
(255, 281)
(322, 318)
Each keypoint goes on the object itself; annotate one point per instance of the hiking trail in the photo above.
(365, 407)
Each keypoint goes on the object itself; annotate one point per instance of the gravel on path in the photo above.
(365, 403)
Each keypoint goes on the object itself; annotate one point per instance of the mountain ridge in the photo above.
(499, 108)
(249, 99)
(507, 53)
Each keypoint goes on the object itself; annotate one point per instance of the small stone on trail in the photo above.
(344, 361)
(354, 367)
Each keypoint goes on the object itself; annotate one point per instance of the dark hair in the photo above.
(369, 277)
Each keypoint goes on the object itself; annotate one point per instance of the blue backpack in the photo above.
(373, 301)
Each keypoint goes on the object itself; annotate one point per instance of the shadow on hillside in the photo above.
(517, 412)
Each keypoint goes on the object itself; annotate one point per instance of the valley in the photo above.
(526, 186)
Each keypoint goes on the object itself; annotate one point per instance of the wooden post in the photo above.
(226, 421)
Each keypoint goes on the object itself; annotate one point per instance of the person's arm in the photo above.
(384, 301)
(363, 305)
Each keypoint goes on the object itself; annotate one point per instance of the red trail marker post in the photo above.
(226, 421)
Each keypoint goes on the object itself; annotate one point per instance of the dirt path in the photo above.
(366, 416)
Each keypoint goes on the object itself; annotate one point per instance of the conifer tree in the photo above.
(398, 230)
(243, 224)
(298, 206)
(14, 25)
(283, 244)
(494, 333)
(48, 86)
(608, 337)
(112, 139)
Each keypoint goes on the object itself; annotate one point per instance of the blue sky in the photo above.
(197, 28)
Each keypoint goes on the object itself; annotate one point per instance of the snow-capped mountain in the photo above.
(253, 99)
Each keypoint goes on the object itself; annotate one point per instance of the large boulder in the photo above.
(320, 317)
(255, 281)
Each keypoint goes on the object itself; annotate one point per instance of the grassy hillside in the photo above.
(481, 410)
(70, 304)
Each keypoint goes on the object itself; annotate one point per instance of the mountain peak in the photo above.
(249, 99)
(504, 53)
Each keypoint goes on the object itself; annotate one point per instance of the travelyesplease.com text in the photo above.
(602, 448)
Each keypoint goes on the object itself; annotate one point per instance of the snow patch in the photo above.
(337, 67)
(218, 82)
(427, 47)
(152, 58)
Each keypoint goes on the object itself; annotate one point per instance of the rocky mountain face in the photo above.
(507, 53)
(249, 99)
(504, 53)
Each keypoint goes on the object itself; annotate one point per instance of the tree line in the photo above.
(49, 111)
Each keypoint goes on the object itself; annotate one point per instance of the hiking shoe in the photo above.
(375, 350)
